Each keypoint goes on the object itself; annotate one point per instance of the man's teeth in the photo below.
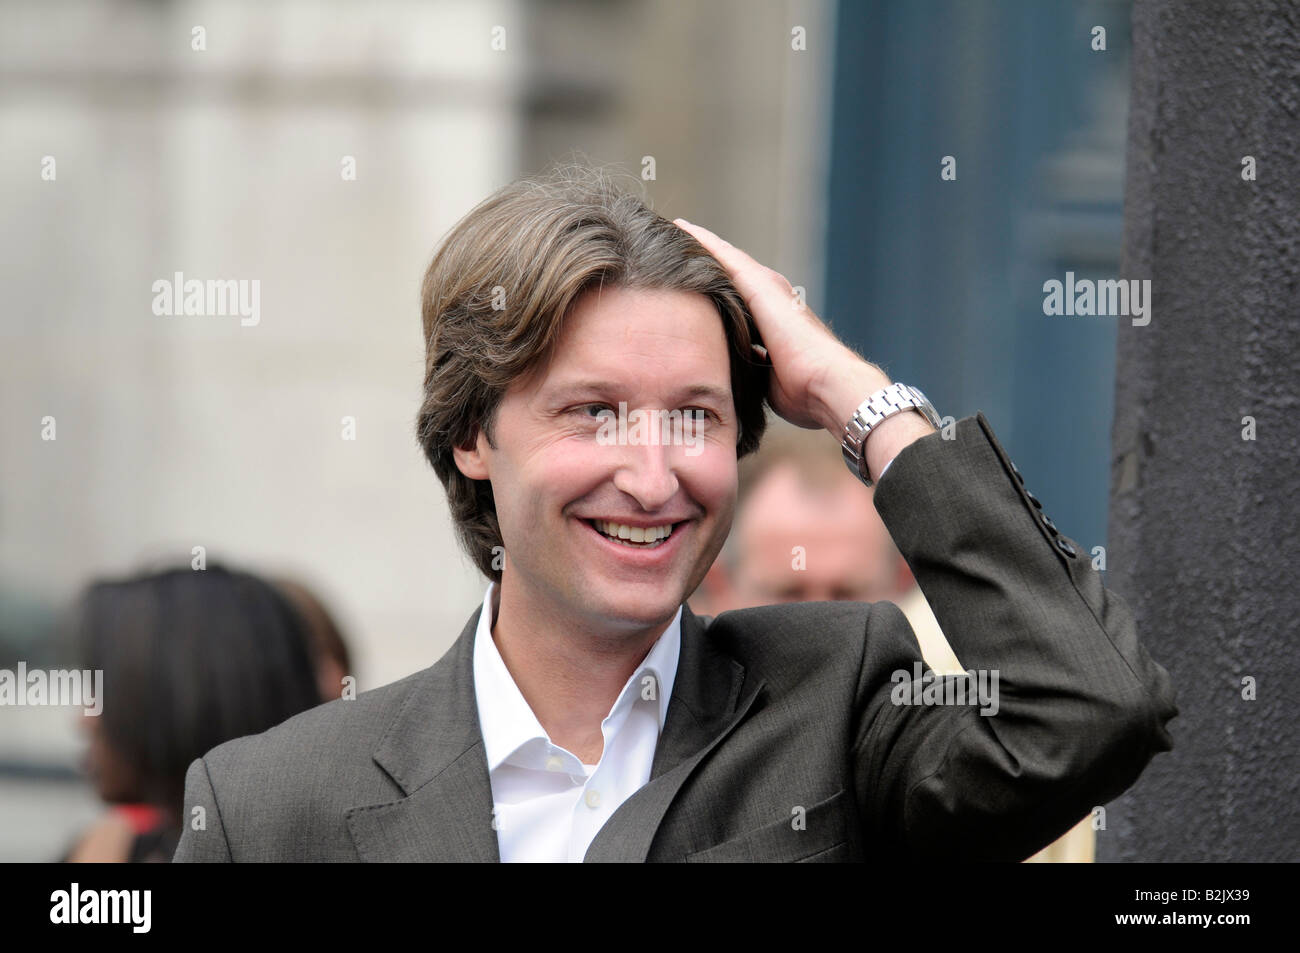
(634, 534)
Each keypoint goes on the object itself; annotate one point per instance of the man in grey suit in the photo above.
(585, 713)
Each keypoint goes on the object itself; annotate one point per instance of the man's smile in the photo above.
(638, 543)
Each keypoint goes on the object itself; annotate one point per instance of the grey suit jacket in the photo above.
(786, 737)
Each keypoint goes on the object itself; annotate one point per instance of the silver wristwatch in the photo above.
(880, 406)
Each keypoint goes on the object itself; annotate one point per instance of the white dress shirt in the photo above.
(548, 805)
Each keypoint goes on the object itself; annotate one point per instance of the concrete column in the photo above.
(1203, 523)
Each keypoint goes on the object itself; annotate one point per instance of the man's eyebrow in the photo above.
(574, 389)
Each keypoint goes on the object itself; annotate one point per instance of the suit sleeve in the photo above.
(1081, 707)
(207, 843)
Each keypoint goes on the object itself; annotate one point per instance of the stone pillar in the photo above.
(1206, 461)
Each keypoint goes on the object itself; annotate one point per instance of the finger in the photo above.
(750, 277)
(719, 246)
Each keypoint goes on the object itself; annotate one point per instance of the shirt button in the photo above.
(593, 799)
(555, 763)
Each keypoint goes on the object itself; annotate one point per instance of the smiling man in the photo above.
(585, 713)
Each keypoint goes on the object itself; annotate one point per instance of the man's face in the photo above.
(799, 543)
(558, 481)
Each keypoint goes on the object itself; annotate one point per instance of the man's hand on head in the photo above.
(817, 381)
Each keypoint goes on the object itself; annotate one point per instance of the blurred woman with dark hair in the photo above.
(330, 652)
(190, 659)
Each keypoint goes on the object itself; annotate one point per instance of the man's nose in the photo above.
(648, 475)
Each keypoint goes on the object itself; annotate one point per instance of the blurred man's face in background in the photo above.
(558, 487)
(800, 541)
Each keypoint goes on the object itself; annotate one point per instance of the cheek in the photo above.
(710, 479)
(567, 471)
(581, 465)
(554, 476)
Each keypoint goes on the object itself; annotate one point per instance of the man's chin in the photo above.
(630, 610)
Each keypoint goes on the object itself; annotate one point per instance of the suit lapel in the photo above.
(433, 750)
(711, 695)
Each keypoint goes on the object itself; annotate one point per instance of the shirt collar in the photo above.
(505, 718)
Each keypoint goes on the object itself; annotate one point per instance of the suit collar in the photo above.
(433, 750)
(712, 695)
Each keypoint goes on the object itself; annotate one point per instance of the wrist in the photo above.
(873, 419)
(888, 438)
(842, 388)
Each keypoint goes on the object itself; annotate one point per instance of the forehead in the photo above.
(836, 524)
(654, 336)
(784, 505)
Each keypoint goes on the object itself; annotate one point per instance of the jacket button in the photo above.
(1066, 548)
(1016, 471)
(1047, 521)
(1033, 499)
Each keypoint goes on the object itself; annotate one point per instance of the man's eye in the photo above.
(598, 411)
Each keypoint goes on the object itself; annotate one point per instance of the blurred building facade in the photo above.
(228, 162)
(942, 279)
(808, 132)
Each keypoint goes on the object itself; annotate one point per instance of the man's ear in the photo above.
(471, 461)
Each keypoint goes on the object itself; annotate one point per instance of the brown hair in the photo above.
(494, 299)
